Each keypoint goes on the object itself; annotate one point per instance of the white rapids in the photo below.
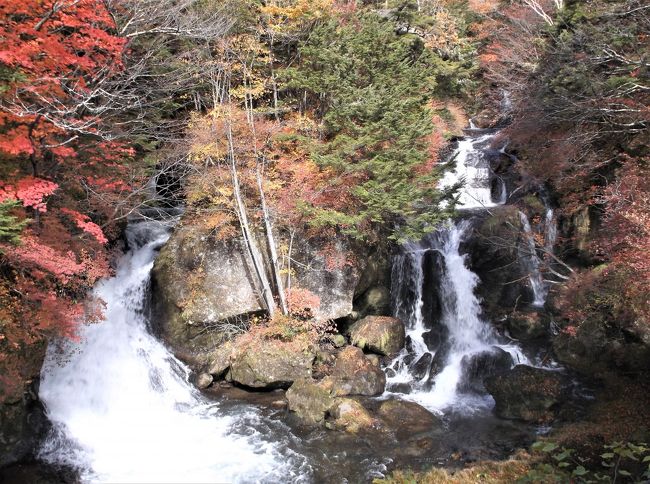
(122, 407)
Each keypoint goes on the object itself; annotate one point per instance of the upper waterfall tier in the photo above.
(472, 167)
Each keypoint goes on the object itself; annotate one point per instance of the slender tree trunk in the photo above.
(249, 239)
(272, 248)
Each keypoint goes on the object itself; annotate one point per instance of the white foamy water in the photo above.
(468, 333)
(472, 168)
(123, 410)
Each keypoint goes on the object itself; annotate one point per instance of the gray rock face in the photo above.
(380, 334)
(200, 285)
(527, 393)
(354, 374)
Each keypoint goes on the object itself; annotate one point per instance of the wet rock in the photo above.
(481, 365)
(203, 380)
(421, 367)
(375, 301)
(527, 393)
(435, 337)
(526, 326)
(351, 416)
(380, 334)
(272, 364)
(310, 401)
(220, 360)
(407, 418)
(354, 374)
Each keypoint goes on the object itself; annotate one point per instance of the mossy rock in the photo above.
(383, 335)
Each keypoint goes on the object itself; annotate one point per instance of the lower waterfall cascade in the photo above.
(123, 409)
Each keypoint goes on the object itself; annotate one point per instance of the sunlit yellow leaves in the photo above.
(285, 16)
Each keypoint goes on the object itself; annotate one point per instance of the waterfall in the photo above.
(472, 168)
(433, 369)
(531, 262)
(122, 407)
(468, 333)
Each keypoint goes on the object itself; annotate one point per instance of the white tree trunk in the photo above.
(272, 247)
(249, 239)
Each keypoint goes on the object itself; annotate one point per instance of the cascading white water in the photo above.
(532, 264)
(472, 168)
(122, 407)
(468, 333)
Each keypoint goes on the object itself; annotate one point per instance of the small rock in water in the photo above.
(421, 367)
(309, 400)
(351, 416)
(354, 374)
(204, 380)
(407, 418)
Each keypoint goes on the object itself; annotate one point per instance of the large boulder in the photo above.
(407, 418)
(479, 366)
(354, 374)
(270, 364)
(380, 334)
(310, 401)
(202, 286)
(527, 393)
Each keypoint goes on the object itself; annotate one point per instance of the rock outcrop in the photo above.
(527, 393)
(202, 286)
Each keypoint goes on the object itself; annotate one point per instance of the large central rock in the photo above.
(272, 365)
(203, 287)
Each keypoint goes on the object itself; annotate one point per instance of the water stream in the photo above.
(124, 411)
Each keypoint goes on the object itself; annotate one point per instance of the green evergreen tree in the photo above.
(10, 225)
(373, 87)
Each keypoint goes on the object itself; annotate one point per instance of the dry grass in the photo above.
(484, 472)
